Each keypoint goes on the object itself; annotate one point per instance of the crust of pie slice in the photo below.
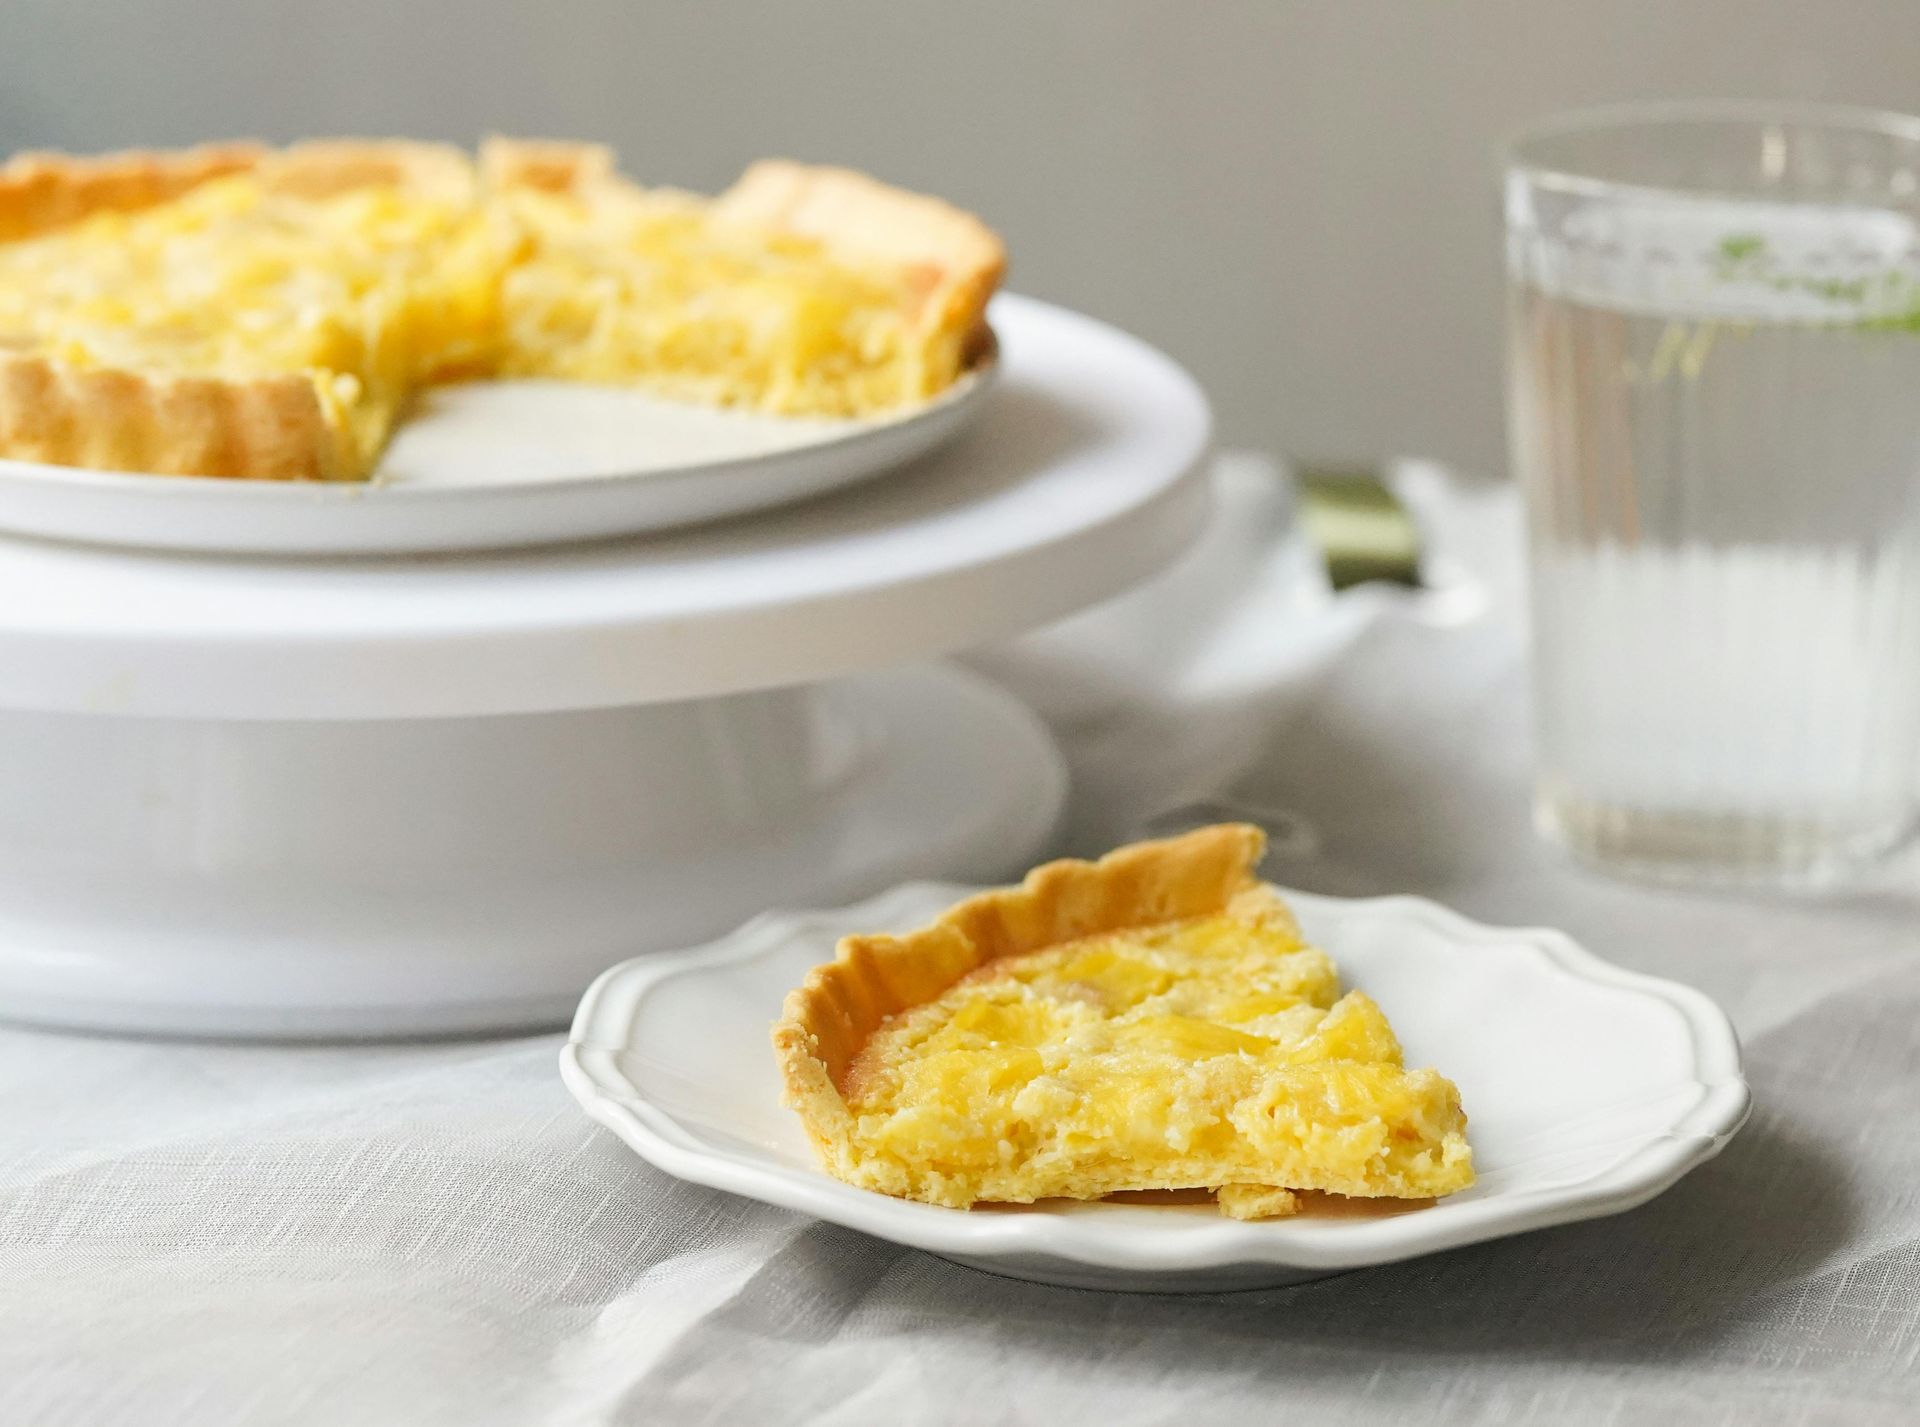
(826, 1022)
(269, 429)
(104, 418)
(1256, 1201)
(1327, 1105)
(836, 1010)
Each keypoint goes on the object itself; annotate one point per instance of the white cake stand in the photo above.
(438, 794)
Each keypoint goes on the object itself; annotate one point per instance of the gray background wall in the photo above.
(1296, 199)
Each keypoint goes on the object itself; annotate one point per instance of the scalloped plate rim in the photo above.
(1656, 1161)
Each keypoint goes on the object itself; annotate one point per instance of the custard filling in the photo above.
(1215, 1052)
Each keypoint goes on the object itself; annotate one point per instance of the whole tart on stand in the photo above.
(240, 311)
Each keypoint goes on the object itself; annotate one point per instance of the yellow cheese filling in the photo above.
(1212, 1053)
(650, 290)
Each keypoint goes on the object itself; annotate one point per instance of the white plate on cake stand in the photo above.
(1589, 1090)
(502, 464)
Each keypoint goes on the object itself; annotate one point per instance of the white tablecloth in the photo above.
(427, 1234)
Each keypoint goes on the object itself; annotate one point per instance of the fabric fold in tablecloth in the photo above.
(427, 1234)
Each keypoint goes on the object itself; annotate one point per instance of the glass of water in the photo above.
(1714, 408)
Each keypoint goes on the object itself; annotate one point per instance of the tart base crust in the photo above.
(272, 428)
(842, 1003)
(836, 1010)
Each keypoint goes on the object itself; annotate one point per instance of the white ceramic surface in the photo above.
(492, 465)
(1589, 1089)
(1085, 473)
(433, 876)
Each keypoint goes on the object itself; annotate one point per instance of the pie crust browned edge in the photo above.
(266, 428)
(834, 1013)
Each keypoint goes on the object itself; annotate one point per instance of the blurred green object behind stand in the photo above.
(1362, 529)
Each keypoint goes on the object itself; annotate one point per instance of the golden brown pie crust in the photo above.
(270, 428)
(837, 1009)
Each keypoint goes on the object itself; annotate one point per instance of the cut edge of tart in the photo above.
(1150, 1021)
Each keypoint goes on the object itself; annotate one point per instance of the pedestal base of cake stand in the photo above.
(439, 876)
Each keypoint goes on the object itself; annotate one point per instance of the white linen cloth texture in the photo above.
(423, 1234)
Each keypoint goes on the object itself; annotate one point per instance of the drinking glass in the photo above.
(1714, 409)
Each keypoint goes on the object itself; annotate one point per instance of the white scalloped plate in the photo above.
(1589, 1089)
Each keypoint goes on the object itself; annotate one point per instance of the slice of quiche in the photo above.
(1152, 1020)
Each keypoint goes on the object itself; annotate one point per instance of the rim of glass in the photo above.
(1596, 118)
